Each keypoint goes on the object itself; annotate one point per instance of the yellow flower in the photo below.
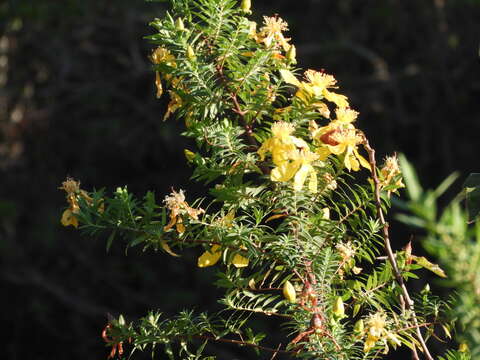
(376, 330)
(178, 207)
(281, 143)
(304, 158)
(340, 137)
(72, 188)
(390, 174)
(161, 55)
(317, 86)
(376, 324)
(291, 156)
(271, 32)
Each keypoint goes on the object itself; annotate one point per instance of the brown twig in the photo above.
(276, 352)
(243, 343)
(405, 298)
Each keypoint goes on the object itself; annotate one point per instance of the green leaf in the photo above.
(445, 184)
(423, 262)
(414, 189)
(472, 193)
(110, 239)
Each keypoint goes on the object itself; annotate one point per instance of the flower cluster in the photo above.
(339, 137)
(293, 158)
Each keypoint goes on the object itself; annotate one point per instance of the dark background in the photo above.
(77, 99)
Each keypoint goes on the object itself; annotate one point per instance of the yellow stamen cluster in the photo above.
(179, 208)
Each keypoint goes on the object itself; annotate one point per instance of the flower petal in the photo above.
(362, 160)
(167, 248)
(68, 218)
(340, 100)
(289, 78)
(285, 171)
(301, 176)
(211, 257)
(239, 261)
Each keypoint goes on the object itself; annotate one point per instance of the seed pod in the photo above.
(179, 24)
(338, 308)
(358, 328)
(289, 292)
(245, 6)
(190, 53)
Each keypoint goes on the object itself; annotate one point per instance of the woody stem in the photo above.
(405, 298)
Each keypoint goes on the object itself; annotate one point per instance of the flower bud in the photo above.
(245, 6)
(289, 292)
(358, 328)
(463, 348)
(189, 155)
(190, 53)
(179, 24)
(292, 54)
(339, 308)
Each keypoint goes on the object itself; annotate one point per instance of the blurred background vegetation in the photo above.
(77, 98)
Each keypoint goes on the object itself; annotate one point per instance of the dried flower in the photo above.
(179, 209)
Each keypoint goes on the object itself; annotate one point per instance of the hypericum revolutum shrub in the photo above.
(295, 216)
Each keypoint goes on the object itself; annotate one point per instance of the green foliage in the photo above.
(283, 205)
(449, 236)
